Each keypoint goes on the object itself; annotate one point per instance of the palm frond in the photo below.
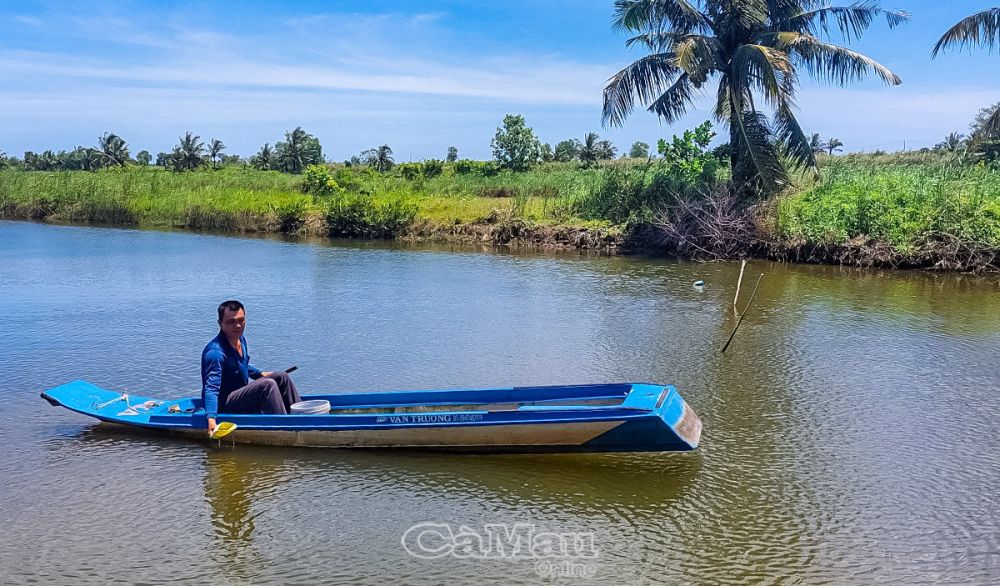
(852, 21)
(673, 103)
(979, 30)
(756, 143)
(655, 41)
(650, 15)
(833, 63)
(737, 14)
(761, 68)
(799, 149)
(697, 55)
(643, 81)
(990, 128)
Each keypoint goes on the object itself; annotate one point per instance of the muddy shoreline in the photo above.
(525, 235)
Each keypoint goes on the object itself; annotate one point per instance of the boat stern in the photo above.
(669, 424)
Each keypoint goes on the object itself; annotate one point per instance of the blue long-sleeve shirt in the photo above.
(223, 370)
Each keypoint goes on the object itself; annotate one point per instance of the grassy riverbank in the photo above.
(890, 210)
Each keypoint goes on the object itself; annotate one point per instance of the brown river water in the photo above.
(851, 430)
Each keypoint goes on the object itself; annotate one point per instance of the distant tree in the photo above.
(565, 150)
(593, 149)
(299, 150)
(39, 162)
(606, 151)
(355, 161)
(379, 158)
(113, 150)
(189, 154)
(143, 158)
(164, 160)
(816, 143)
(951, 143)
(834, 144)
(639, 150)
(545, 153)
(264, 159)
(514, 144)
(986, 138)
(229, 160)
(979, 30)
(215, 148)
(452, 155)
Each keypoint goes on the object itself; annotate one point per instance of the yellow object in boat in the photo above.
(223, 429)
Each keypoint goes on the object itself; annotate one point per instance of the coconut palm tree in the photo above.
(189, 154)
(593, 149)
(264, 159)
(215, 148)
(113, 150)
(951, 143)
(833, 144)
(380, 159)
(755, 50)
(816, 144)
(298, 150)
(979, 30)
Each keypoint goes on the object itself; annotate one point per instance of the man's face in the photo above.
(233, 323)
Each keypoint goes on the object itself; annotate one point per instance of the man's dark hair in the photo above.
(232, 305)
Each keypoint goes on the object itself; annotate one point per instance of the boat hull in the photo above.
(583, 418)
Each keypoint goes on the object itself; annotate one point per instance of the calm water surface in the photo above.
(851, 430)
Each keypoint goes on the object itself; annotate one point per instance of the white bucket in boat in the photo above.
(315, 407)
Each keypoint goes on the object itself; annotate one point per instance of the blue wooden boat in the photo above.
(626, 417)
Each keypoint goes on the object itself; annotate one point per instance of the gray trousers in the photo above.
(272, 394)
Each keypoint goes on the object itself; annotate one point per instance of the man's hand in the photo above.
(265, 373)
(211, 426)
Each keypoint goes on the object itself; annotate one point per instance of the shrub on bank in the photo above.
(359, 216)
(905, 206)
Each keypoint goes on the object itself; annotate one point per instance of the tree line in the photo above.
(756, 49)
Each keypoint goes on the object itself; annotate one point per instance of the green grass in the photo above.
(906, 199)
(906, 204)
(236, 199)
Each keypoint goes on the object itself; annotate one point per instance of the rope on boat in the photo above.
(129, 409)
(124, 397)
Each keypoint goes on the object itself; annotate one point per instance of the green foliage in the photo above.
(546, 153)
(263, 160)
(299, 150)
(514, 144)
(291, 215)
(592, 149)
(112, 150)
(639, 150)
(566, 151)
(360, 216)
(433, 168)
(143, 158)
(480, 168)
(452, 155)
(379, 158)
(188, 154)
(410, 171)
(318, 180)
(687, 158)
(904, 205)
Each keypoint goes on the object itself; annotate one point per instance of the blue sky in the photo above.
(419, 76)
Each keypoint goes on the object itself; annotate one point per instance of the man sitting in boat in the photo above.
(226, 373)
